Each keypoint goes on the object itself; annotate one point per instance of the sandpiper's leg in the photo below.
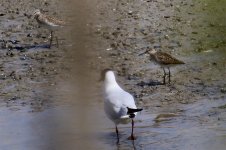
(164, 76)
(169, 74)
(51, 39)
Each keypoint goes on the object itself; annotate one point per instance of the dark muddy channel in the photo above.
(51, 98)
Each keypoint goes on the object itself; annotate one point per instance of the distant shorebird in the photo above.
(164, 60)
(48, 22)
(119, 105)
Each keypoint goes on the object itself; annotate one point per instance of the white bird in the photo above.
(119, 105)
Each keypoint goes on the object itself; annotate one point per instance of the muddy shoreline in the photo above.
(125, 31)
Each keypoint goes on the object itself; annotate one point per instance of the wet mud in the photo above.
(38, 83)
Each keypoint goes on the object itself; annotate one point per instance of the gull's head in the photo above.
(37, 12)
(104, 73)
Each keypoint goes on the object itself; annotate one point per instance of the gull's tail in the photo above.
(131, 112)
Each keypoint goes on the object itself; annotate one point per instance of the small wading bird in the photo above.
(119, 105)
(164, 60)
(49, 23)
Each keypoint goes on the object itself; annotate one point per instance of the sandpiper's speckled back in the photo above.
(47, 21)
(165, 59)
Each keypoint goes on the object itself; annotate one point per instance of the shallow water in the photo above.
(72, 115)
(57, 128)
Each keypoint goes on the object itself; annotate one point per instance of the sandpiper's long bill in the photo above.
(119, 105)
(49, 23)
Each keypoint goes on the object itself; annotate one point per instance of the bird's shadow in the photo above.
(121, 146)
(150, 83)
(120, 143)
(15, 44)
(22, 47)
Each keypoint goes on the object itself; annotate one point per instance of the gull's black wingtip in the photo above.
(132, 110)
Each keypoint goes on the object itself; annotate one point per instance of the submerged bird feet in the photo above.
(132, 137)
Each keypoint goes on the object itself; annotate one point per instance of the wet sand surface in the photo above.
(51, 98)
